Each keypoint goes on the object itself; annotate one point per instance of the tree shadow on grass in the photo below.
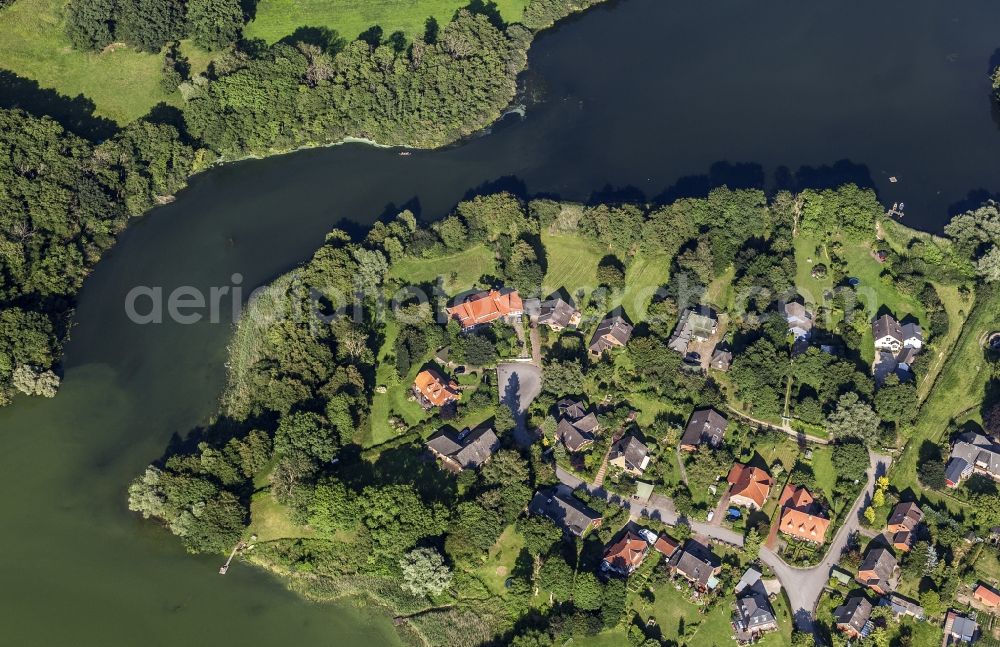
(74, 114)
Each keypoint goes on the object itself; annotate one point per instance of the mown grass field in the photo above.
(269, 520)
(645, 274)
(276, 19)
(572, 263)
(468, 266)
(123, 84)
(396, 398)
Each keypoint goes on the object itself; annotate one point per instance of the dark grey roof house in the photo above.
(972, 452)
(878, 570)
(697, 564)
(960, 628)
(464, 450)
(558, 313)
(613, 332)
(888, 334)
(695, 324)
(722, 358)
(901, 606)
(852, 617)
(565, 510)
(576, 428)
(706, 427)
(753, 616)
(629, 454)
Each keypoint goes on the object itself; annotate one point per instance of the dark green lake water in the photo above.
(645, 98)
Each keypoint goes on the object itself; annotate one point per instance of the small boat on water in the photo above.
(404, 153)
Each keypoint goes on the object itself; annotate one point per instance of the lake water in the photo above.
(641, 98)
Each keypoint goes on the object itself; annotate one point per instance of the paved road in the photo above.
(803, 585)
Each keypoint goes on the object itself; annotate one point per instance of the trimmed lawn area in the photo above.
(468, 267)
(572, 263)
(123, 83)
(500, 560)
(643, 277)
(276, 19)
(822, 464)
(396, 398)
(958, 389)
(269, 520)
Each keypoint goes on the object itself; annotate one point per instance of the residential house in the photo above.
(706, 427)
(432, 390)
(800, 320)
(629, 454)
(853, 617)
(577, 429)
(888, 334)
(557, 313)
(802, 516)
(902, 525)
(486, 307)
(878, 571)
(666, 546)
(612, 332)
(625, 555)
(467, 449)
(753, 615)
(959, 628)
(972, 453)
(986, 595)
(749, 486)
(693, 326)
(913, 336)
(697, 564)
(565, 510)
(901, 606)
(897, 347)
(722, 358)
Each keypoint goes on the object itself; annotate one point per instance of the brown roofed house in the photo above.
(557, 313)
(565, 510)
(706, 427)
(486, 307)
(577, 428)
(464, 450)
(697, 564)
(613, 332)
(666, 545)
(750, 486)
(432, 390)
(625, 555)
(902, 525)
(629, 454)
(801, 516)
(852, 617)
(878, 571)
(986, 595)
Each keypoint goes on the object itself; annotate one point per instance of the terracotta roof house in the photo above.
(878, 571)
(625, 555)
(486, 307)
(577, 428)
(753, 616)
(852, 617)
(613, 332)
(901, 606)
(972, 453)
(706, 427)
(800, 320)
(464, 450)
(558, 313)
(902, 525)
(694, 325)
(802, 516)
(432, 390)
(666, 546)
(629, 454)
(697, 564)
(722, 358)
(959, 628)
(986, 595)
(749, 486)
(565, 510)
(888, 334)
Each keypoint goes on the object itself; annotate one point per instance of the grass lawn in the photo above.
(643, 277)
(572, 263)
(468, 266)
(396, 398)
(123, 84)
(276, 19)
(500, 560)
(959, 388)
(269, 520)
(822, 464)
(719, 292)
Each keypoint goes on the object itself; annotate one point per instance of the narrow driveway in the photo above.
(803, 585)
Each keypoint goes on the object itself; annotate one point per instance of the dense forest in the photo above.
(66, 198)
(299, 402)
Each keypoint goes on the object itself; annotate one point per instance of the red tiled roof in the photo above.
(666, 545)
(986, 595)
(750, 482)
(432, 386)
(795, 497)
(486, 307)
(804, 525)
(628, 553)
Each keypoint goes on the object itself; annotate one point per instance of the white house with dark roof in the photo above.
(972, 453)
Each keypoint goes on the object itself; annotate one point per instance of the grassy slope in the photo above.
(572, 263)
(276, 19)
(469, 266)
(123, 84)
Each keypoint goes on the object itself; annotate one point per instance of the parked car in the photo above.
(648, 535)
(711, 514)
